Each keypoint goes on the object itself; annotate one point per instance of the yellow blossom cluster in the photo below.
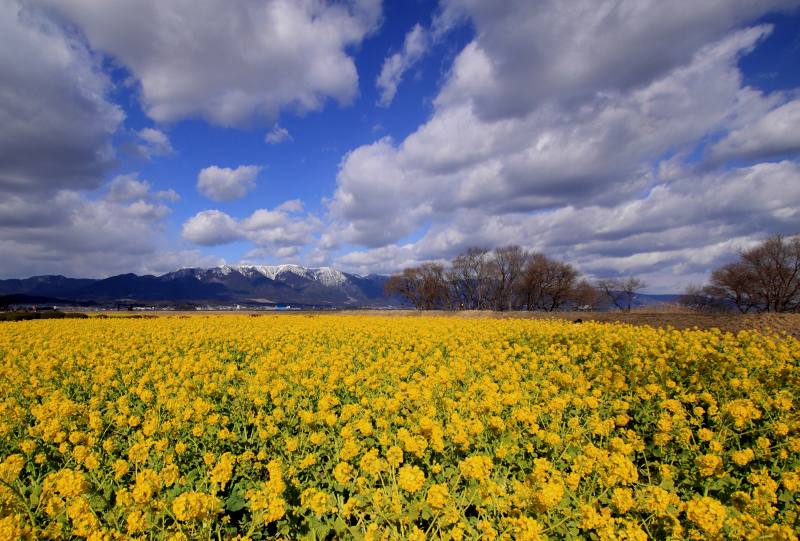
(383, 428)
(194, 505)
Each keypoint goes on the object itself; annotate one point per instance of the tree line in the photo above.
(764, 278)
(507, 278)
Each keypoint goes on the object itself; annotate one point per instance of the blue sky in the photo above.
(305, 167)
(625, 137)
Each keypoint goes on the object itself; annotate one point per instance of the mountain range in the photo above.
(240, 284)
(251, 285)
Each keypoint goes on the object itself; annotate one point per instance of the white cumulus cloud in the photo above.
(152, 142)
(226, 184)
(56, 118)
(211, 228)
(277, 135)
(269, 229)
(231, 63)
(73, 234)
(570, 128)
(395, 66)
(774, 134)
(547, 158)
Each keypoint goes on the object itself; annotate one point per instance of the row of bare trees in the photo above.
(506, 278)
(765, 278)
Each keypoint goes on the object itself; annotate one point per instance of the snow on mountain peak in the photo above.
(222, 270)
(328, 276)
(273, 271)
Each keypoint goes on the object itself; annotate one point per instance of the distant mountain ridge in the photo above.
(250, 284)
(226, 284)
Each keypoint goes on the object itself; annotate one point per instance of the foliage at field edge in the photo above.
(52, 314)
(395, 428)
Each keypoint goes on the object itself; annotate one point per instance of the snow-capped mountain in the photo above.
(267, 284)
(325, 275)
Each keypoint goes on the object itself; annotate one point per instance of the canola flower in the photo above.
(351, 427)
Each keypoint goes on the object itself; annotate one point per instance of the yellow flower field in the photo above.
(350, 427)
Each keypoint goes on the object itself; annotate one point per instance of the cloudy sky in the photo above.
(628, 137)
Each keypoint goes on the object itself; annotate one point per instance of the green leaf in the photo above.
(322, 531)
(235, 502)
(36, 491)
(340, 525)
(427, 514)
(355, 533)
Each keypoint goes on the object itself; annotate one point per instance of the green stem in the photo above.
(22, 498)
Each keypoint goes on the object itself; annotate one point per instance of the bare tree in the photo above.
(546, 284)
(733, 284)
(701, 299)
(765, 278)
(532, 283)
(469, 276)
(426, 286)
(434, 288)
(405, 285)
(560, 283)
(585, 296)
(774, 267)
(507, 266)
(693, 298)
(621, 292)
